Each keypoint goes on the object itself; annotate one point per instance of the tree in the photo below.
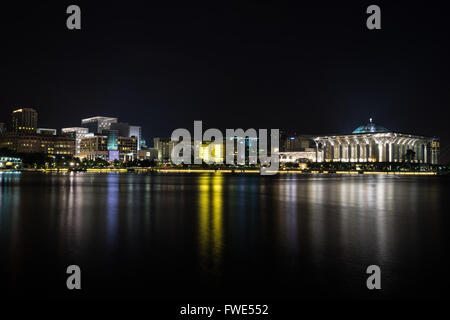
(410, 155)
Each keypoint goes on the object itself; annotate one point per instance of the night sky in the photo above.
(308, 68)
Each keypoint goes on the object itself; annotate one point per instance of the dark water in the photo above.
(214, 236)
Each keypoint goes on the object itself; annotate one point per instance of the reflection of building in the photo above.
(98, 124)
(77, 133)
(38, 143)
(164, 147)
(24, 121)
(372, 143)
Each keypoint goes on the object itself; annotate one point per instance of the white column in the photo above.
(425, 155)
(390, 152)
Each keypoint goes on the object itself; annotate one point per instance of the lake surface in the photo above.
(223, 236)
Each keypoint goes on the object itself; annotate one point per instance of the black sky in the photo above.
(309, 68)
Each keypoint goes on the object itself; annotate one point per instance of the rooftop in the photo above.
(370, 128)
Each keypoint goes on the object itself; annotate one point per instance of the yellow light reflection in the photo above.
(210, 222)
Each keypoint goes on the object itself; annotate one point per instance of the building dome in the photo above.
(370, 128)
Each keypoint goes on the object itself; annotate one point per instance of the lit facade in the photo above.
(24, 121)
(93, 147)
(36, 143)
(211, 152)
(77, 133)
(127, 147)
(50, 132)
(136, 131)
(10, 162)
(372, 143)
(98, 124)
(298, 156)
(164, 147)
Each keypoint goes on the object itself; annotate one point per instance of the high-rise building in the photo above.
(2, 127)
(211, 152)
(122, 127)
(24, 121)
(127, 148)
(113, 139)
(136, 131)
(77, 133)
(164, 147)
(93, 147)
(97, 147)
(98, 124)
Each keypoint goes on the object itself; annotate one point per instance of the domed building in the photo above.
(370, 128)
(373, 143)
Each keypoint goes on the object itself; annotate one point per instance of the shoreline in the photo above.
(224, 171)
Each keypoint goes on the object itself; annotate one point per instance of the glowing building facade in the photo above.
(98, 124)
(372, 143)
(78, 133)
(24, 121)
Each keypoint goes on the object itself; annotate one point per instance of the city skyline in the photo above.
(230, 68)
(224, 159)
(107, 138)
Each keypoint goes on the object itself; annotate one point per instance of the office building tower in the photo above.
(24, 121)
(98, 124)
(77, 133)
(136, 131)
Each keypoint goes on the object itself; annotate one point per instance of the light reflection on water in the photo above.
(292, 231)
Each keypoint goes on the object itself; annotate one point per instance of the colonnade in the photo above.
(372, 147)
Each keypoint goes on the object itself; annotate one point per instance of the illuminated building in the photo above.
(164, 147)
(98, 124)
(372, 143)
(113, 139)
(77, 133)
(211, 152)
(148, 154)
(296, 143)
(24, 121)
(136, 131)
(49, 132)
(127, 147)
(298, 156)
(92, 147)
(125, 130)
(10, 162)
(38, 143)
